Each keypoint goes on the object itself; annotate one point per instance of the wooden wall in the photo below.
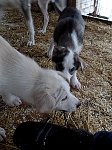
(71, 3)
(85, 6)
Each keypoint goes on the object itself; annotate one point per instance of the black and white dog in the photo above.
(67, 43)
(25, 7)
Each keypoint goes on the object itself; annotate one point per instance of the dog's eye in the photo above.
(71, 71)
(64, 98)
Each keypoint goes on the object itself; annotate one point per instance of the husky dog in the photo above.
(21, 78)
(67, 43)
(25, 7)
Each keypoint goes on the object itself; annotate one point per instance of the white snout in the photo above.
(74, 103)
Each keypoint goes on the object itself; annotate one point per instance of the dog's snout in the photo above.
(79, 104)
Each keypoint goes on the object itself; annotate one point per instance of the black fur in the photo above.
(70, 19)
(58, 58)
(59, 66)
(103, 140)
(46, 136)
(59, 54)
(77, 62)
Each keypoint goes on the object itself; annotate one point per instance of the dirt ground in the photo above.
(95, 95)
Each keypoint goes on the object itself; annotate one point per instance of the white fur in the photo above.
(68, 60)
(77, 46)
(51, 48)
(25, 6)
(68, 63)
(2, 134)
(22, 78)
(73, 79)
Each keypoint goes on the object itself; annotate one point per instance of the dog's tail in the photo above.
(59, 5)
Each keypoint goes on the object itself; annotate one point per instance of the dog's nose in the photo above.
(78, 105)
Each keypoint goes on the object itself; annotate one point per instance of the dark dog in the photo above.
(39, 136)
(67, 43)
(47, 136)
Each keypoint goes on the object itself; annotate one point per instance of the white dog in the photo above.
(21, 78)
(67, 43)
(25, 7)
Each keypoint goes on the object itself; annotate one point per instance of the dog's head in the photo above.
(52, 92)
(67, 61)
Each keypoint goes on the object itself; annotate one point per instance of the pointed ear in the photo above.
(44, 102)
(59, 53)
(82, 64)
(78, 62)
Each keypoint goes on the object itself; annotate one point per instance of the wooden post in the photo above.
(71, 3)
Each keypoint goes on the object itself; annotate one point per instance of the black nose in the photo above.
(78, 105)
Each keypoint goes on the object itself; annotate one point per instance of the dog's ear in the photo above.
(44, 102)
(79, 63)
(59, 53)
(82, 64)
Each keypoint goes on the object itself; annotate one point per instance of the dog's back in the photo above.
(9, 54)
(70, 22)
(67, 44)
(72, 13)
(15, 67)
(39, 135)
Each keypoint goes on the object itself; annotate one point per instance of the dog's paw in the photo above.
(42, 31)
(12, 100)
(49, 53)
(75, 84)
(30, 43)
(2, 134)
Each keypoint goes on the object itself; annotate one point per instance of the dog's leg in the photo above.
(74, 81)
(2, 134)
(50, 50)
(44, 6)
(11, 100)
(26, 8)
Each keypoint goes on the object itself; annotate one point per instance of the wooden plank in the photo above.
(71, 3)
(85, 6)
(97, 19)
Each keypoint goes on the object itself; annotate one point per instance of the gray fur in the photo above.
(67, 43)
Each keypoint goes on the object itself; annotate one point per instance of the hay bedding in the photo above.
(95, 95)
